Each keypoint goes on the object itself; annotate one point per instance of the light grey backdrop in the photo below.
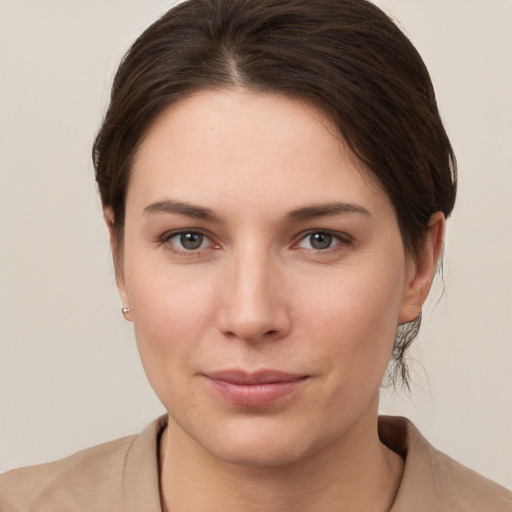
(69, 370)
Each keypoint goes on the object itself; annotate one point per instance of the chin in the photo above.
(262, 442)
(258, 454)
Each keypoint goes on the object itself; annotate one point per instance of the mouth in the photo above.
(254, 389)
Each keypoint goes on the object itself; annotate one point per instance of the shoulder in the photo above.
(121, 475)
(433, 481)
(65, 481)
(468, 489)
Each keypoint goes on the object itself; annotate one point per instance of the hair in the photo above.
(346, 57)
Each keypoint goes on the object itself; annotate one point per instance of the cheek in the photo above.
(360, 298)
(171, 313)
(354, 317)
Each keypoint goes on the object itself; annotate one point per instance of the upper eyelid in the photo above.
(343, 236)
(174, 232)
(332, 232)
(175, 248)
(168, 235)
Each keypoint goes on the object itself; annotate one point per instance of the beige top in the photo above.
(123, 476)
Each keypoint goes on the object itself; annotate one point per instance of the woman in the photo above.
(275, 179)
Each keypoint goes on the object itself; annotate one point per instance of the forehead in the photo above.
(268, 149)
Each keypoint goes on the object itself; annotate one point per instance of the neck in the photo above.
(356, 473)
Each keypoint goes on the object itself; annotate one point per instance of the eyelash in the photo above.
(167, 237)
(340, 240)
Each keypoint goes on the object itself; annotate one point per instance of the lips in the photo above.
(256, 389)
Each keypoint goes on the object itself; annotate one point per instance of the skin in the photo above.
(259, 293)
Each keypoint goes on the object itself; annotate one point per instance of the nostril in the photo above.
(253, 320)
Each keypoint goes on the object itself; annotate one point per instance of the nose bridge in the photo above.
(253, 307)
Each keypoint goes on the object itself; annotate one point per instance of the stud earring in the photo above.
(125, 309)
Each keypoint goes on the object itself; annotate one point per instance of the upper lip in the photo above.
(242, 377)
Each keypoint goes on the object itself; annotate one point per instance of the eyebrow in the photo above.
(182, 208)
(300, 214)
(326, 210)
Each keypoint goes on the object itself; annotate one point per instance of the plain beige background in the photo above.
(69, 370)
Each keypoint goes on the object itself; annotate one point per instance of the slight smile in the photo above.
(256, 389)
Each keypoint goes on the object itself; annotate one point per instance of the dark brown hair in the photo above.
(344, 56)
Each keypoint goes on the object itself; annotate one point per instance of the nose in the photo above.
(253, 299)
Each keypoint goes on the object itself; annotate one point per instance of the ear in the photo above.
(108, 215)
(422, 269)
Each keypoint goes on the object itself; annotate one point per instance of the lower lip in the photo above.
(255, 395)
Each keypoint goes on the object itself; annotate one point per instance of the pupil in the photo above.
(191, 240)
(321, 240)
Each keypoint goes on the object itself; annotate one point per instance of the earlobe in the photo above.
(423, 269)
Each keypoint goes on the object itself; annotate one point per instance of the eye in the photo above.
(188, 240)
(320, 241)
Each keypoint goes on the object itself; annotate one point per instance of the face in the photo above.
(265, 274)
